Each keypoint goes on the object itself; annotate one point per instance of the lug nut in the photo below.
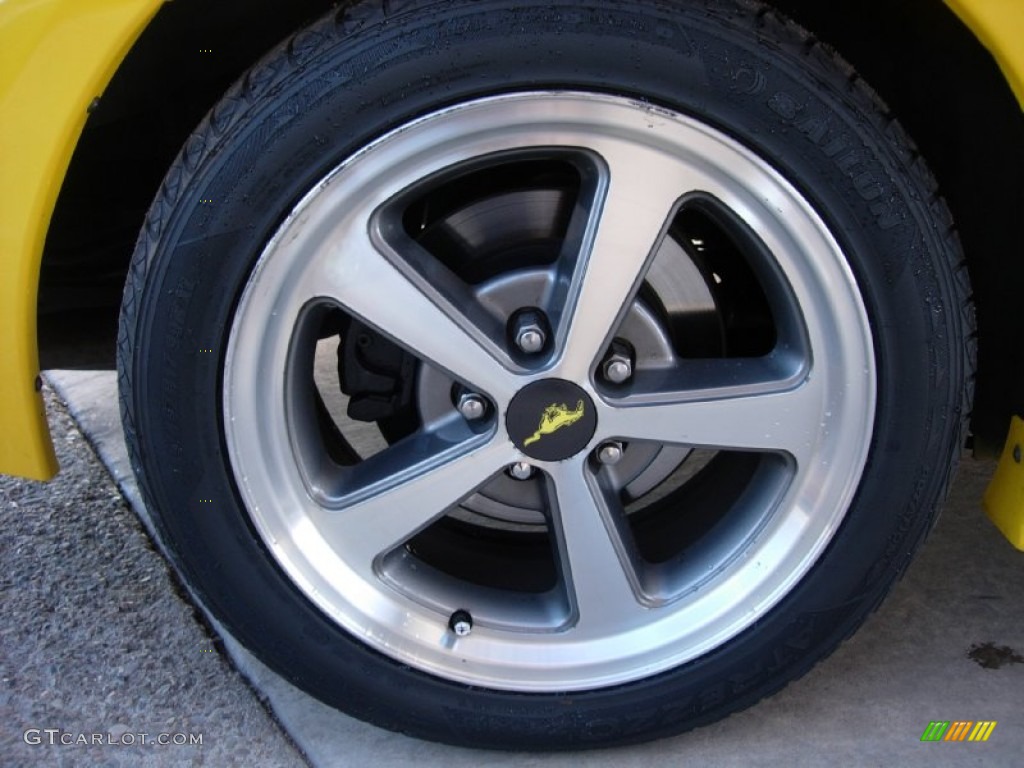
(461, 623)
(528, 331)
(530, 340)
(609, 453)
(472, 406)
(521, 470)
(617, 368)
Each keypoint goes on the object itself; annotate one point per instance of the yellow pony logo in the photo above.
(555, 417)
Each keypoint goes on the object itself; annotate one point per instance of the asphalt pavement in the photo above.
(101, 658)
(98, 637)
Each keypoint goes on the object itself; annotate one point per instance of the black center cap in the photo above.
(551, 420)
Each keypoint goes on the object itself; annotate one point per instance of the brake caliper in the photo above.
(377, 375)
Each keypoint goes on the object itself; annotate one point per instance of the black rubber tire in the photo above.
(371, 67)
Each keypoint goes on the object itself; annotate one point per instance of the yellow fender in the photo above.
(56, 57)
(1004, 499)
(999, 25)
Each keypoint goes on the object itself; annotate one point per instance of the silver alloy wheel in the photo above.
(805, 408)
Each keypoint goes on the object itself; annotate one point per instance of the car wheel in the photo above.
(545, 375)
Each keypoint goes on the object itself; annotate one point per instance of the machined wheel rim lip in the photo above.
(292, 517)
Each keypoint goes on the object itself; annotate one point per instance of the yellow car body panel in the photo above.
(999, 25)
(56, 56)
(1004, 499)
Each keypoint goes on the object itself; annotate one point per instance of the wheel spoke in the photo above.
(408, 308)
(404, 493)
(769, 416)
(595, 554)
(626, 224)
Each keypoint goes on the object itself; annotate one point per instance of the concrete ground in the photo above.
(95, 636)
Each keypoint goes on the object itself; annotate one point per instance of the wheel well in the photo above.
(177, 70)
(937, 79)
(949, 94)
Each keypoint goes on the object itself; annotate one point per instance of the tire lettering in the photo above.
(835, 146)
(814, 128)
(839, 148)
(848, 162)
(868, 188)
(784, 105)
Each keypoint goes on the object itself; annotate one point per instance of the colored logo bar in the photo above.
(958, 730)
